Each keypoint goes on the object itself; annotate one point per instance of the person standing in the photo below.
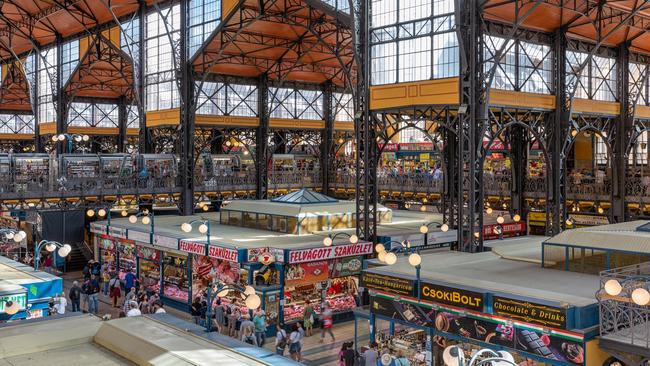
(301, 331)
(48, 263)
(158, 308)
(219, 316)
(114, 290)
(85, 292)
(61, 304)
(106, 278)
(75, 296)
(328, 321)
(130, 296)
(280, 340)
(401, 359)
(308, 318)
(232, 320)
(294, 343)
(93, 304)
(370, 355)
(129, 282)
(195, 310)
(86, 270)
(247, 336)
(260, 327)
(133, 309)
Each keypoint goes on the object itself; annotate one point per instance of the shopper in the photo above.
(349, 355)
(327, 322)
(114, 291)
(280, 340)
(93, 304)
(48, 263)
(75, 296)
(129, 282)
(133, 309)
(86, 270)
(85, 292)
(105, 282)
(301, 331)
(248, 336)
(246, 323)
(260, 327)
(370, 355)
(232, 316)
(219, 316)
(195, 310)
(308, 318)
(294, 343)
(344, 348)
(61, 304)
(401, 359)
(130, 296)
(158, 308)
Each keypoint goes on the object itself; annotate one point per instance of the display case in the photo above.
(149, 275)
(127, 259)
(5, 173)
(81, 171)
(175, 280)
(32, 172)
(407, 342)
(339, 295)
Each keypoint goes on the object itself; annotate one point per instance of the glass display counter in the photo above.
(175, 280)
(149, 275)
(127, 259)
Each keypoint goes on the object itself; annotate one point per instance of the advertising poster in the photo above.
(403, 311)
(348, 266)
(206, 269)
(549, 345)
(107, 244)
(149, 254)
(481, 329)
(305, 273)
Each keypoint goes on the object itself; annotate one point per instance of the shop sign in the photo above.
(509, 229)
(589, 220)
(226, 254)
(537, 216)
(324, 253)
(451, 296)
(424, 156)
(96, 228)
(21, 299)
(389, 147)
(390, 284)
(265, 255)
(435, 239)
(554, 345)
(191, 247)
(117, 232)
(306, 273)
(164, 241)
(402, 310)
(529, 312)
(139, 236)
(348, 266)
(149, 253)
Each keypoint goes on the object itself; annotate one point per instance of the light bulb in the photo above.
(354, 239)
(124, 213)
(10, 235)
(380, 248)
(489, 211)
(613, 287)
(61, 137)
(85, 137)
(500, 220)
(444, 228)
(423, 208)
(516, 218)
(477, 234)
(249, 290)
(101, 212)
(133, 219)
(569, 222)
(641, 296)
(382, 256)
(62, 252)
(55, 138)
(327, 241)
(424, 229)
(146, 220)
(205, 208)
(50, 247)
(90, 212)
(600, 210)
(186, 227)
(574, 133)
(203, 228)
(77, 138)
(11, 307)
(253, 302)
(391, 258)
(415, 259)
(17, 237)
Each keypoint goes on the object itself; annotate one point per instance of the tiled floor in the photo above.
(314, 352)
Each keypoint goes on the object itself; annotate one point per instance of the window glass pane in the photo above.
(414, 9)
(415, 59)
(384, 12)
(384, 63)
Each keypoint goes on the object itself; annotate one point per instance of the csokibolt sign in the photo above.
(451, 296)
(325, 253)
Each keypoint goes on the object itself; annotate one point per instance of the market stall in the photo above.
(31, 172)
(80, 171)
(5, 173)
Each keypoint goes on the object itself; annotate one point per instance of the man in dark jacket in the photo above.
(75, 296)
(93, 291)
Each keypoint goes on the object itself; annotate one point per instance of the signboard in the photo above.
(255, 254)
(139, 236)
(21, 299)
(324, 253)
(348, 266)
(435, 239)
(393, 285)
(451, 296)
(424, 156)
(404, 311)
(227, 254)
(163, 241)
(529, 312)
(149, 254)
(107, 244)
(508, 229)
(191, 247)
(117, 232)
(589, 220)
(305, 273)
(96, 228)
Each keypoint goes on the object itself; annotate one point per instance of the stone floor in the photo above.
(314, 352)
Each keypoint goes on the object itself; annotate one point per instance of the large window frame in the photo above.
(47, 82)
(598, 79)
(161, 88)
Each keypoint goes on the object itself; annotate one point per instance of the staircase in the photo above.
(78, 257)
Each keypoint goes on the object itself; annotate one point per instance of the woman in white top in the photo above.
(294, 343)
(61, 304)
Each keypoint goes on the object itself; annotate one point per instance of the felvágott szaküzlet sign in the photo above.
(529, 312)
(452, 296)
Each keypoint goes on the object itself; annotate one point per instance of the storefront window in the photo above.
(126, 253)
(263, 221)
(149, 275)
(223, 217)
(107, 252)
(234, 218)
(404, 342)
(249, 220)
(205, 270)
(266, 276)
(292, 225)
(175, 277)
(280, 224)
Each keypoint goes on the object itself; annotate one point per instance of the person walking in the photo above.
(75, 296)
(260, 327)
(327, 323)
(308, 318)
(280, 340)
(195, 310)
(294, 343)
(85, 292)
(219, 316)
(106, 278)
(129, 282)
(114, 291)
(93, 304)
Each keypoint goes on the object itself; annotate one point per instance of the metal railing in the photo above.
(620, 318)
